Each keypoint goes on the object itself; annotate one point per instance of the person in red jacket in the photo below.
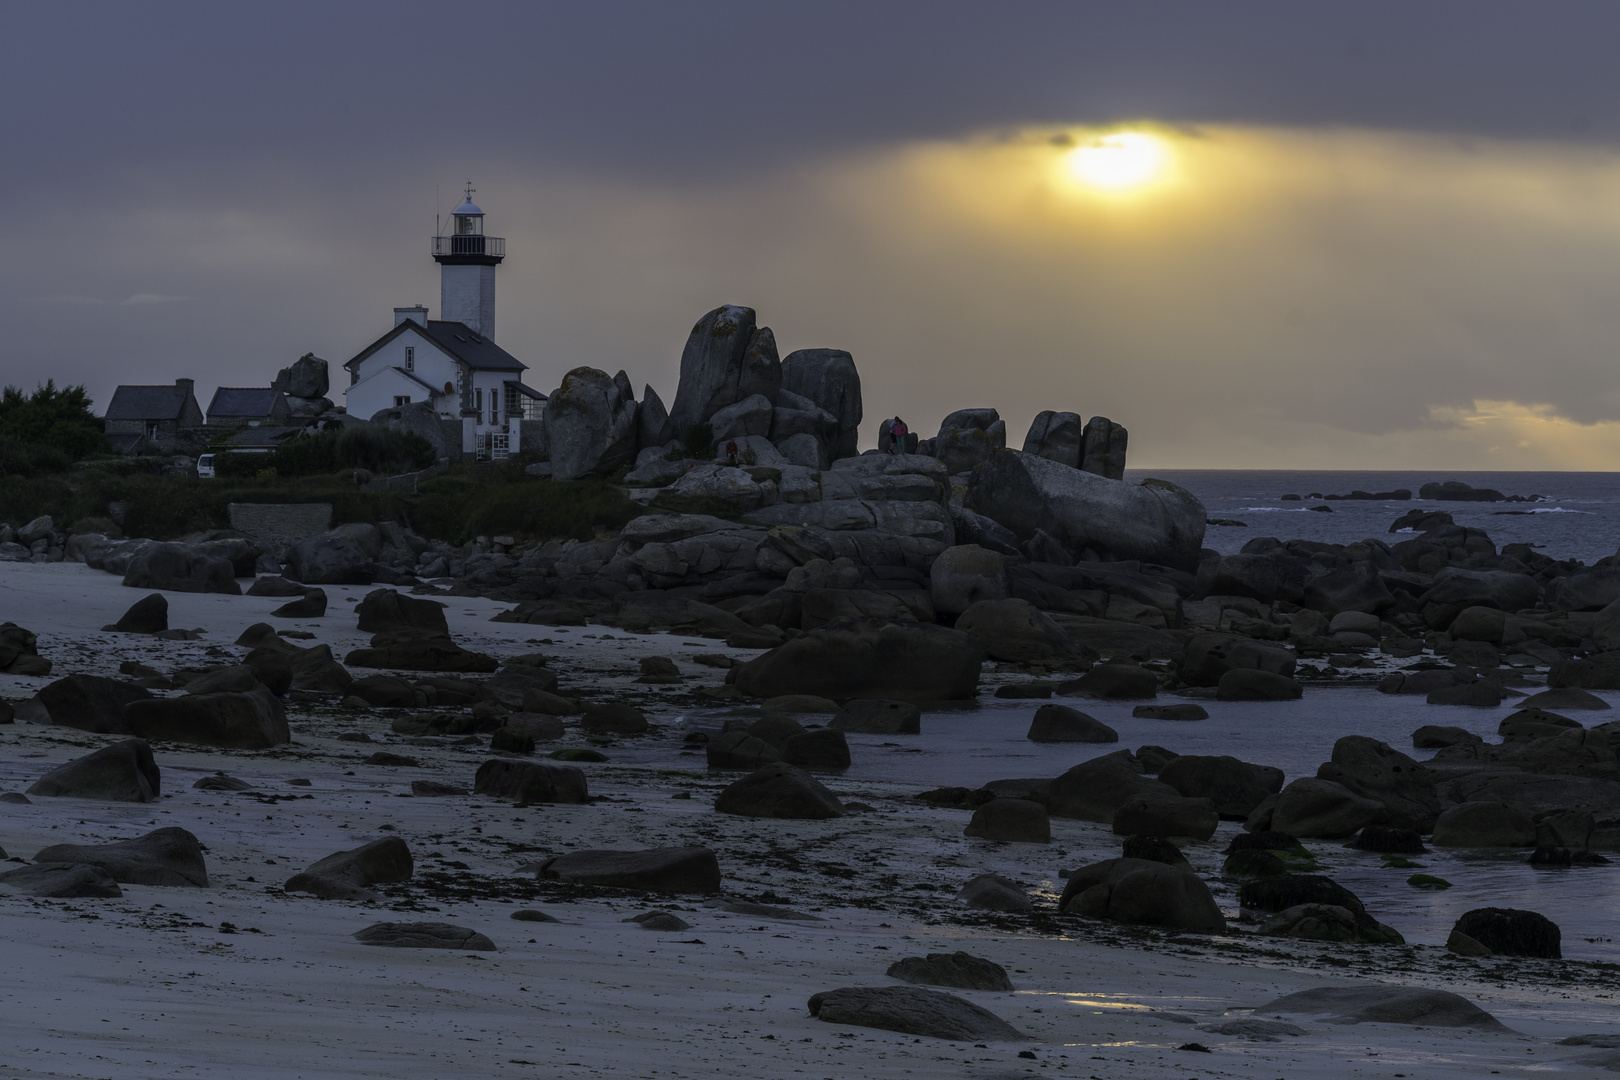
(897, 433)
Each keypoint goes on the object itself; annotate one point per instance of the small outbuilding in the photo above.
(248, 406)
(155, 419)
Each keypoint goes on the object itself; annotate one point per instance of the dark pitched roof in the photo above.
(457, 339)
(243, 401)
(147, 403)
(261, 437)
(480, 353)
(526, 390)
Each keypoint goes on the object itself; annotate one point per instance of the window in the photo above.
(402, 399)
(478, 403)
(151, 431)
(410, 358)
(494, 407)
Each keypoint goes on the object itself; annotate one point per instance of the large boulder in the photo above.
(1095, 790)
(1311, 807)
(530, 781)
(1482, 825)
(1166, 816)
(418, 418)
(1103, 449)
(827, 377)
(1507, 932)
(665, 870)
(992, 892)
(179, 568)
(1375, 770)
(122, 772)
(1059, 723)
(345, 874)
(1210, 656)
(964, 575)
(1456, 589)
(591, 423)
(1385, 1004)
(238, 721)
(868, 658)
(90, 703)
(959, 969)
(914, 1011)
(1143, 892)
(779, 790)
(1236, 787)
(306, 378)
(1245, 684)
(1011, 820)
(1018, 632)
(19, 651)
(1114, 682)
(1154, 521)
(415, 650)
(168, 856)
(331, 558)
(724, 361)
(1057, 436)
(148, 615)
(61, 881)
(387, 609)
(877, 716)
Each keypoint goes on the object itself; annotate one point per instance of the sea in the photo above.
(1576, 517)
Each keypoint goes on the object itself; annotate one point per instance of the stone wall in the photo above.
(275, 525)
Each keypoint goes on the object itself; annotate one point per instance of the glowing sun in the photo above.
(1118, 162)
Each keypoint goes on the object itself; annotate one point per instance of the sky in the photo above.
(1285, 235)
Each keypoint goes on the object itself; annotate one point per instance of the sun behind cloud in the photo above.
(1119, 161)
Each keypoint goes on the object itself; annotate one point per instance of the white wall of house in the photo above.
(412, 352)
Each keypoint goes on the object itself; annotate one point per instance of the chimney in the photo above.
(417, 314)
(186, 386)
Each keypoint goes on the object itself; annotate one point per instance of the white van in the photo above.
(205, 467)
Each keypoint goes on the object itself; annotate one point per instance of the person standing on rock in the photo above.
(897, 436)
(731, 453)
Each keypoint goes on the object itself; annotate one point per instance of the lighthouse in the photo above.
(467, 260)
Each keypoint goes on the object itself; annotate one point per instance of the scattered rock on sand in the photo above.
(344, 875)
(417, 650)
(383, 610)
(1013, 820)
(1386, 1004)
(876, 716)
(992, 892)
(958, 969)
(61, 880)
(914, 1011)
(1506, 932)
(1253, 1029)
(331, 558)
(1143, 892)
(222, 782)
(1484, 825)
(250, 721)
(665, 870)
(530, 781)
(1316, 922)
(1564, 699)
(824, 748)
(180, 568)
(660, 920)
(533, 915)
(1114, 682)
(276, 585)
(1059, 723)
(1235, 786)
(1247, 684)
(168, 856)
(1281, 894)
(312, 605)
(122, 772)
(868, 658)
(1311, 807)
(1095, 790)
(1166, 816)
(148, 615)
(1382, 838)
(779, 790)
(19, 652)
(423, 935)
(90, 703)
(430, 789)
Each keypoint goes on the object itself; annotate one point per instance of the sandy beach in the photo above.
(243, 979)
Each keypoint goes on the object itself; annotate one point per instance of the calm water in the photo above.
(1579, 517)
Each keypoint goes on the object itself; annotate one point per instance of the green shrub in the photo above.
(47, 430)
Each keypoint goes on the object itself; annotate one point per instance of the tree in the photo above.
(60, 419)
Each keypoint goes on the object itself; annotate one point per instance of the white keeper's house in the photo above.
(451, 363)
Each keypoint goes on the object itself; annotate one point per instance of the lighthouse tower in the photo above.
(467, 260)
